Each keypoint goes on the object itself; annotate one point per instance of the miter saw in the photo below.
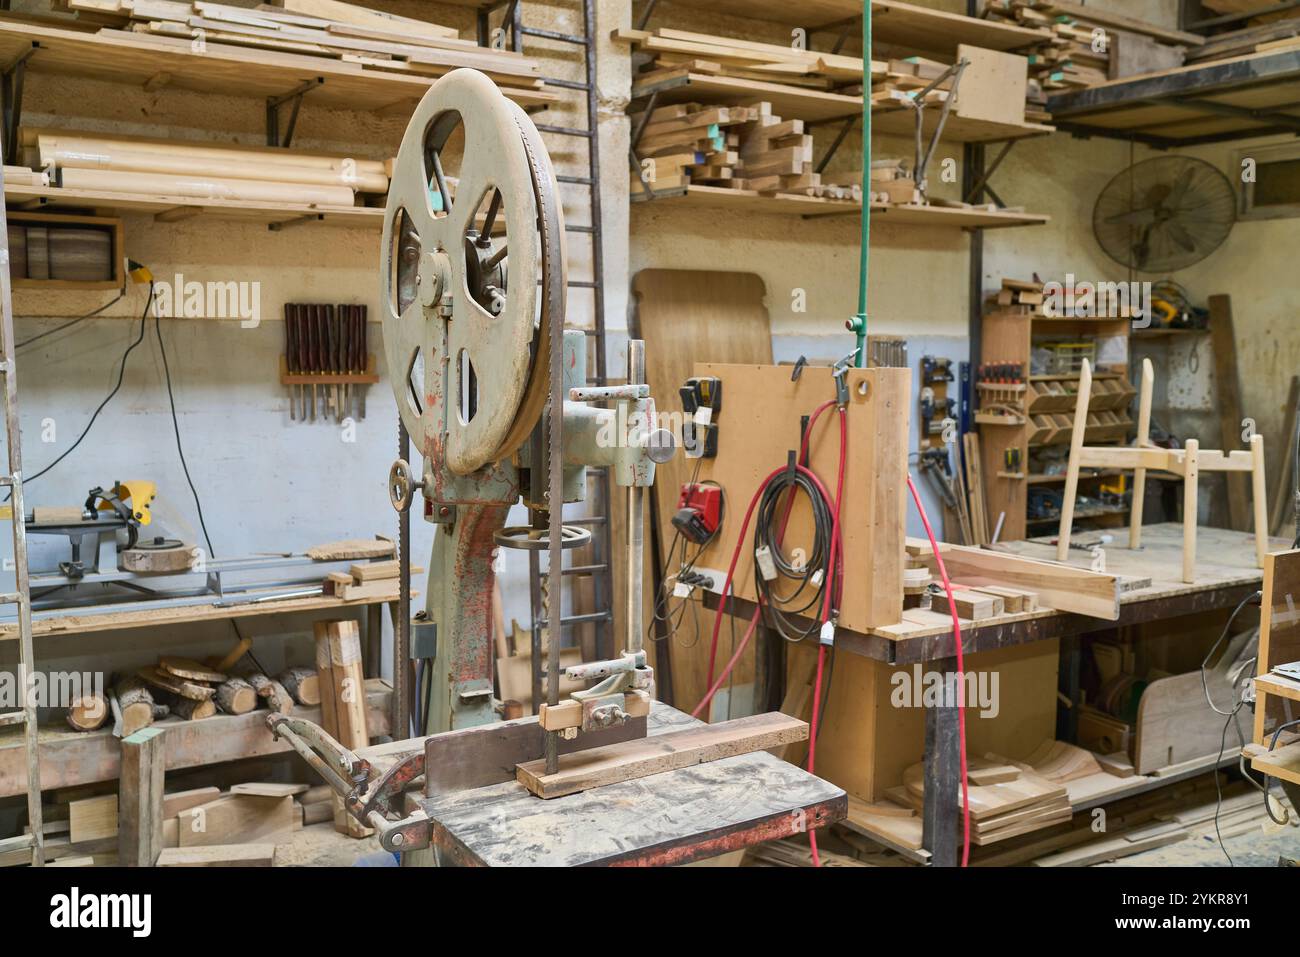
(492, 388)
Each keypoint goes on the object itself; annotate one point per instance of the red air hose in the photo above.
(961, 687)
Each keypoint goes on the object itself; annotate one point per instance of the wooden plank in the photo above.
(222, 855)
(1284, 493)
(92, 819)
(140, 799)
(992, 87)
(972, 605)
(724, 316)
(365, 17)
(616, 763)
(1227, 401)
(237, 819)
(1058, 586)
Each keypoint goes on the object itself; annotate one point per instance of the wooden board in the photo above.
(224, 855)
(93, 818)
(992, 87)
(1279, 637)
(724, 318)
(1062, 587)
(871, 732)
(1227, 402)
(616, 763)
(140, 814)
(237, 819)
(875, 486)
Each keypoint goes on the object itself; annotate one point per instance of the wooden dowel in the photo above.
(1190, 477)
(1143, 439)
(1072, 470)
(1259, 495)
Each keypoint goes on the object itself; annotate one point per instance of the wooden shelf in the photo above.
(901, 121)
(816, 106)
(1283, 763)
(74, 758)
(898, 24)
(1276, 684)
(241, 71)
(745, 200)
(174, 208)
(1231, 99)
(789, 102)
(123, 615)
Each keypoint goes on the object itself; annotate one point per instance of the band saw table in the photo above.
(481, 816)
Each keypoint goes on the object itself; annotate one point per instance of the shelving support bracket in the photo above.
(273, 104)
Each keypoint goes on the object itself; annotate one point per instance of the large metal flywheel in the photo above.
(473, 276)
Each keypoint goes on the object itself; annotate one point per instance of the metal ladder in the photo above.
(21, 596)
(599, 570)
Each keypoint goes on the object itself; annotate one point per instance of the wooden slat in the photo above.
(629, 760)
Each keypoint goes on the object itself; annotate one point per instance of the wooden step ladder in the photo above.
(21, 596)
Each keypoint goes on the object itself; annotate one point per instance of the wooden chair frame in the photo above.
(1188, 462)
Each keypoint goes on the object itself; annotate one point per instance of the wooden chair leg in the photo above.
(1190, 478)
(1260, 497)
(1072, 470)
(1143, 438)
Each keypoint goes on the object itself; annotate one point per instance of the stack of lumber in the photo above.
(119, 164)
(1029, 296)
(367, 580)
(375, 41)
(893, 183)
(1143, 822)
(192, 690)
(674, 53)
(1090, 46)
(1271, 37)
(740, 147)
(1005, 800)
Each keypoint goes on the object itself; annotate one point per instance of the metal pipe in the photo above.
(636, 375)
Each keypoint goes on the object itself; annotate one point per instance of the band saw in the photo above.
(493, 390)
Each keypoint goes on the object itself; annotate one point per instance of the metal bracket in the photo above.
(273, 104)
(922, 161)
(981, 185)
(636, 138)
(11, 88)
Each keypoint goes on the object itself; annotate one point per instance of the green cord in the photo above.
(858, 324)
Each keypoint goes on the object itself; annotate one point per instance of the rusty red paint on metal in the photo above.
(771, 829)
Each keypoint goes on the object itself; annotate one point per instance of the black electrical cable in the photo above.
(69, 325)
(121, 374)
(176, 428)
(812, 573)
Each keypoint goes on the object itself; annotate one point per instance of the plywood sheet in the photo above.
(684, 316)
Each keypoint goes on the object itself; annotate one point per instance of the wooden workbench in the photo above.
(671, 818)
(1151, 589)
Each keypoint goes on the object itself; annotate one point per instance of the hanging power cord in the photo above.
(117, 386)
(68, 325)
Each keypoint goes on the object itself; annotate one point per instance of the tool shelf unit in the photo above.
(899, 27)
(1008, 335)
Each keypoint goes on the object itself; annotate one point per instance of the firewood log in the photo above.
(303, 684)
(236, 696)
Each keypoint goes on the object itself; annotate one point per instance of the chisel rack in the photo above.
(325, 361)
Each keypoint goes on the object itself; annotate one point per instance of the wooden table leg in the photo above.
(374, 640)
(940, 824)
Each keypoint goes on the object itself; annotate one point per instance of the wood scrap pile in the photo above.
(738, 147)
(1005, 799)
(373, 40)
(192, 690)
(673, 54)
(892, 183)
(367, 580)
(118, 164)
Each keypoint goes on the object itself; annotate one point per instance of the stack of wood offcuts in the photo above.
(372, 40)
(102, 162)
(192, 690)
(739, 147)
